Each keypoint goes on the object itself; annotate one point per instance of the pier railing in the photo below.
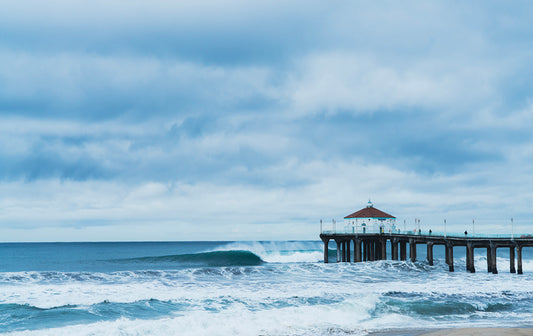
(434, 233)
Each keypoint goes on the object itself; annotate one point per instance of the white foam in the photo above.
(280, 252)
(249, 303)
(317, 320)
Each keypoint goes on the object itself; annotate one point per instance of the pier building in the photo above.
(370, 219)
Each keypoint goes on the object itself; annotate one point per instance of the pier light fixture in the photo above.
(512, 228)
(473, 228)
(445, 233)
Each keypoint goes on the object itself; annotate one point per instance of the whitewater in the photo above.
(247, 288)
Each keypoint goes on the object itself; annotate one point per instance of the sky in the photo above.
(252, 120)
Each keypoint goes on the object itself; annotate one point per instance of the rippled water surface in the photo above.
(246, 288)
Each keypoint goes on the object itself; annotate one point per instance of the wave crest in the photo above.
(214, 259)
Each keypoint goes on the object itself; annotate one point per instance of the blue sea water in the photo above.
(247, 288)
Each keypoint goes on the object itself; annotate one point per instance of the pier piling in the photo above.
(403, 250)
(470, 258)
(449, 252)
(357, 247)
(326, 249)
(383, 249)
(394, 249)
(493, 258)
(348, 252)
(519, 258)
(511, 260)
(373, 246)
(338, 243)
(343, 247)
(489, 259)
(430, 253)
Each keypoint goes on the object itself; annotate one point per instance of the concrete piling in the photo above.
(338, 243)
(412, 250)
(470, 258)
(430, 253)
(373, 246)
(493, 258)
(394, 249)
(519, 258)
(326, 250)
(403, 250)
(449, 252)
(357, 247)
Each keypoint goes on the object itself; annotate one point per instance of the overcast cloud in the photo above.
(164, 120)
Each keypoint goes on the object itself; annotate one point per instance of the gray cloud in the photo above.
(261, 112)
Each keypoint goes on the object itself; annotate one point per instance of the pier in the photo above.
(373, 246)
(369, 229)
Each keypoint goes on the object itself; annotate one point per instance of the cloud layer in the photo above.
(254, 121)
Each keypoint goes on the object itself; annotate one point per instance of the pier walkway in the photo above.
(373, 246)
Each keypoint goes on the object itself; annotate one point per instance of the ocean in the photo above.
(248, 288)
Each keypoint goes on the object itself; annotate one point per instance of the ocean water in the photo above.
(248, 288)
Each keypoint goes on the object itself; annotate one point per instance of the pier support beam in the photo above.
(383, 249)
(519, 258)
(372, 249)
(512, 268)
(412, 250)
(493, 259)
(394, 249)
(357, 252)
(365, 250)
(470, 258)
(403, 250)
(348, 252)
(430, 253)
(343, 246)
(489, 259)
(326, 250)
(449, 254)
(446, 254)
(338, 243)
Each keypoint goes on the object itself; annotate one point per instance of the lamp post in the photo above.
(321, 226)
(512, 228)
(473, 229)
(445, 235)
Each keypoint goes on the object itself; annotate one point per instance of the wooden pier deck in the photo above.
(373, 246)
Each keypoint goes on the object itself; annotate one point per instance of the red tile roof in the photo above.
(369, 212)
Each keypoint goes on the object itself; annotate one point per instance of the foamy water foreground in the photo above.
(245, 288)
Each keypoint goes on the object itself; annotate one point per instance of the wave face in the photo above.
(216, 258)
(247, 288)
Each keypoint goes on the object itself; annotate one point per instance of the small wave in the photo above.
(15, 317)
(214, 259)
